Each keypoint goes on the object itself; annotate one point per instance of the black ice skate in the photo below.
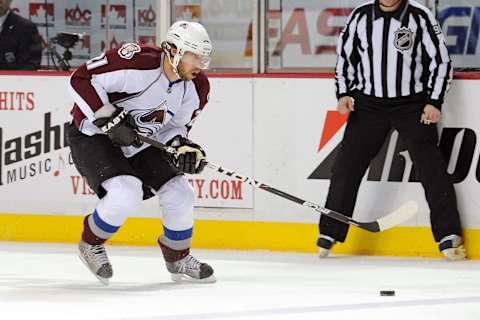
(452, 247)
(325, 243)
(96, 260)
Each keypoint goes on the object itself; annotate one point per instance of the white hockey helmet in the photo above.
(191, 37)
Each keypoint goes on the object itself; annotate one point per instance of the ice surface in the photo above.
(48, 281)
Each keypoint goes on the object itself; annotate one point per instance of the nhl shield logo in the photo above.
(403, 39)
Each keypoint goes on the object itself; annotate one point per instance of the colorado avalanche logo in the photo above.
(403, 39)
(149, 121)
(128, 50)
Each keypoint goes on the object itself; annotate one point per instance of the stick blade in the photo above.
(402, 214)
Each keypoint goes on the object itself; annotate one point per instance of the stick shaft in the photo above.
(372, 226)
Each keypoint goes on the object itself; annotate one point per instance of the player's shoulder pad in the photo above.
(134, 56)
(202, 86)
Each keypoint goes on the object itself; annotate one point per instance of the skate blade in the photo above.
(182, 278)
(323, 253)
(104, 281)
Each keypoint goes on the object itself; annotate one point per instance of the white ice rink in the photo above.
(45, 281)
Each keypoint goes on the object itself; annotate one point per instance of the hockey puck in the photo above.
(387, 293)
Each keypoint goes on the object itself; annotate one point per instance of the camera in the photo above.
(67, 40)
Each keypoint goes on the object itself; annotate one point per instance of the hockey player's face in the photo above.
(191, 64)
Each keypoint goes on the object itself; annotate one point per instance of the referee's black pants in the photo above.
(367, 129)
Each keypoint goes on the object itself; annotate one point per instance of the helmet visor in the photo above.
(196, 60)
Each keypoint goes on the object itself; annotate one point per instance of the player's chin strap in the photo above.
(394, 218)
(167, 48)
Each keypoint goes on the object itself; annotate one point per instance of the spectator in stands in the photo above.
(20, 42)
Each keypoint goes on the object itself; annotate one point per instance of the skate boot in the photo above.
(452, 247)
(325, 243)
(184, 267)
(96, 260)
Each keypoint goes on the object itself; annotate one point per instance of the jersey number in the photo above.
(96, 62)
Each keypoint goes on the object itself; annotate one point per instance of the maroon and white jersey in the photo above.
(132, 77)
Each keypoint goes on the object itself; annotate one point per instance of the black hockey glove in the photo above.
(120, 128)
(190, 157)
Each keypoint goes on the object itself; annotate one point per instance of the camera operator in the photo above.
(20, 42)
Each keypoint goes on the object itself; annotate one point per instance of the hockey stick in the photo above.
(394, 218)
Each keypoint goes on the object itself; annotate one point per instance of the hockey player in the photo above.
(157, 92)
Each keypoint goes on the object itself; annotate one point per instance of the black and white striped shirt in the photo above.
(396, 54)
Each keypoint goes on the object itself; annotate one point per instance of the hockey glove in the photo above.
(120, 128)
(190, 157)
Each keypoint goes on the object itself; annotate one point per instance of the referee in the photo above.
(393, 71)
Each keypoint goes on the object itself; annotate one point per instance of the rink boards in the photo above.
(282, 130)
